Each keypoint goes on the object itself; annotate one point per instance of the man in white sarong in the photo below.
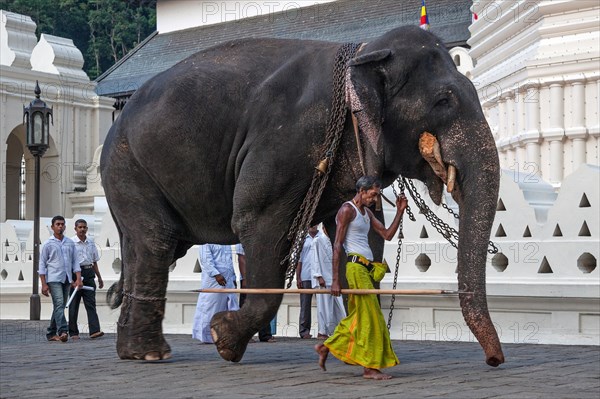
(217, 272)
(330, 309)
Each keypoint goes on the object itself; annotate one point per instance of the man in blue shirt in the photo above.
(58, 262)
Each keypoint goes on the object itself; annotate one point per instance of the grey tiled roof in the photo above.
(340, 21)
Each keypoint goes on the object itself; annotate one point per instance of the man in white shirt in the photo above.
(217, 272)
(303, 280)
(87, 257)
(330, 309)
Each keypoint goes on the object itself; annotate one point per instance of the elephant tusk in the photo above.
(451, 178)
(437, 153)
(427, 145)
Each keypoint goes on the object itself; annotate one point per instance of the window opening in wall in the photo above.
(557, 231)
(500, 206)
(197, 268)
(457, 60)
(107, 243)
(6, 258)
(424, 233)
(527, 232)
(584, 203)
(116, 265)
(545, 267)
(586, 263)
(585, 230)
(4, 274)
(500, 232)
(21, 275)
(500, 262)
(423, 262)
(16, 258)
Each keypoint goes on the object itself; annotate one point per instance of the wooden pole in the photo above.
(325, 291)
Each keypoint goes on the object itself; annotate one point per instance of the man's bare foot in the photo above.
(374, 374)
(323, 352)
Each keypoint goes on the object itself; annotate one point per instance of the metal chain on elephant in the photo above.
(411, 216)
(443, 228)
(447, 231)
(134, 297)
(335, 128)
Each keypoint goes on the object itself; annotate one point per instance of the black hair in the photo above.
(367, 182)
(57, 217)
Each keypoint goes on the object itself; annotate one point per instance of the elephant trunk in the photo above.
(477, 199)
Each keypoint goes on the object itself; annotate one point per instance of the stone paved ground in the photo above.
(31, 367)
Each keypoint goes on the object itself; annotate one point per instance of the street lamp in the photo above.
(37, 119)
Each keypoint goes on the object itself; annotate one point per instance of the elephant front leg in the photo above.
(231, 331)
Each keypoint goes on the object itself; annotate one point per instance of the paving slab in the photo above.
(31, 367)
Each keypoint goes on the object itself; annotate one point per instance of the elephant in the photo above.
(221, 148)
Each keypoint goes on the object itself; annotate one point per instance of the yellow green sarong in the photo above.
(362, 337)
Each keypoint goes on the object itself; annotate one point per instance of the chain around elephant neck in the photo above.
(335, 129)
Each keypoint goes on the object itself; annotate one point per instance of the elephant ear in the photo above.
(373, 56)
(364, 95)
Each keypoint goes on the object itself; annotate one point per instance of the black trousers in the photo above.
(305, 310)
(89, 301)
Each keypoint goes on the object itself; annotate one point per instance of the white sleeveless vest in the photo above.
(357, 235)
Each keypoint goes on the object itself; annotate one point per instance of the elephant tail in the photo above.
(114, 295)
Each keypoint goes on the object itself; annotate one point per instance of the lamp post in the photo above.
(37, 119)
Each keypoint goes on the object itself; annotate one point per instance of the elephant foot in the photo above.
(149, 346)
(231, 343)
(144, 352)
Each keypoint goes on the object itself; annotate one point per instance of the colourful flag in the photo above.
(474, 16)
(424, 17)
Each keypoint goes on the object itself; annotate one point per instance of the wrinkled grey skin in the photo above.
(221, 148)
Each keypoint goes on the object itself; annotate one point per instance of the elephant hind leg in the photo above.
(145, 277)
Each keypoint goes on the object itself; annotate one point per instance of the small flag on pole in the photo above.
(474, 16)
(424, 17)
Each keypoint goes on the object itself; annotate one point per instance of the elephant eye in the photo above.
(442, 102)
